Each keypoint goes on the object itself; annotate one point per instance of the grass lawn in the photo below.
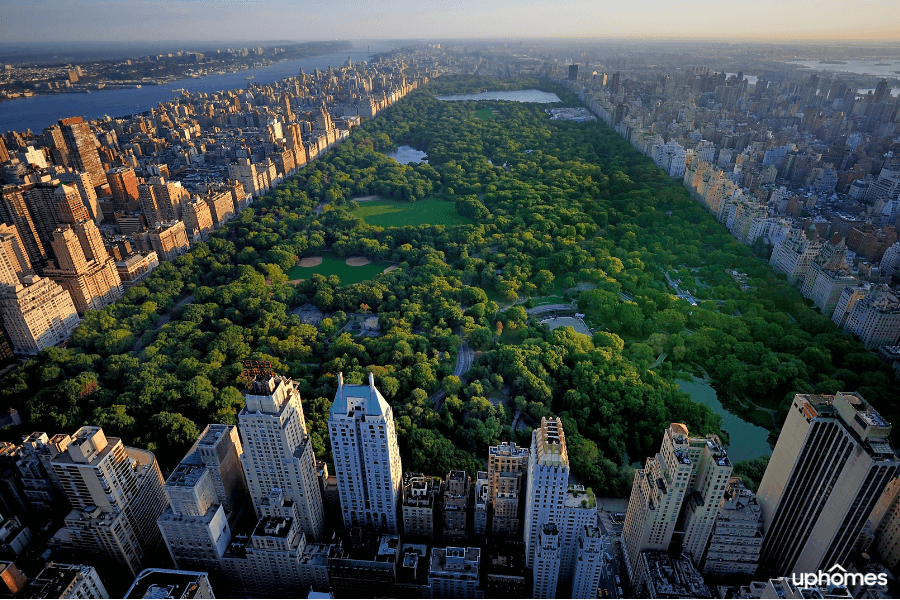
(484, 114)
(335, 265)
(542, 300)
(392, 213)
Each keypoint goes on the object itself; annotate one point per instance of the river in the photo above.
(888, 68)
(42, 111)
(746, 439)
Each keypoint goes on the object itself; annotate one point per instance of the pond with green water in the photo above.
(746, 440)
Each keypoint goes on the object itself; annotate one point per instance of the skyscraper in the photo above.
(547, 558)
(885, 523)
(116, 494)
(507, 466)
(124, 187)
(366, 457)
(278, 458)
(548, 479)
(832, 461)
(688, 474)
(83, 267)
(36, 312)
(82, 146)
(589, 563)
(206, 492)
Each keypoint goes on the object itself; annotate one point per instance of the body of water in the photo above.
(407, 154)
(42, 111)
(751, 79)
(894, 91)
(515, 96)
(747, 440)
(888, 68)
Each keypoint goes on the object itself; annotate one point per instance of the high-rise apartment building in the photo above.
(278, 458)
(58, 580)
(366, 457)
(67, 207)
(116, 494)
(738, 534)
(548, 480)
(14, 211)
(589, 563)
(794, 255)
(455, 505)
(454, 572)
(420, 498)
(480, 504)
(579, 512)
(206, 493)
(169, 583)
(875, 319)
(198, 222)
(82, 146)
(36, 312)
(169, 240)
(547, 561)
(221, 207)
(507, 468)
(832, 461)
(83, 267)
(885, 523)
(123, 184)
(687, 474)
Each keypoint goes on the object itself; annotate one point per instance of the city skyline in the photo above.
(419, 354)
(248, 20)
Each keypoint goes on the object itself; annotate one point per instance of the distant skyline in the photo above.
(247, 20)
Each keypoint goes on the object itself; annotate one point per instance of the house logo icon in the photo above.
(838, 576)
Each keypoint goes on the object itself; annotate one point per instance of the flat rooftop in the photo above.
(165, 583)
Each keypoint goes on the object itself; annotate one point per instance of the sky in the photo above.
(248, 20)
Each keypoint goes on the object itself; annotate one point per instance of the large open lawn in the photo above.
(335, 265)
(484, 114)
(391, 213)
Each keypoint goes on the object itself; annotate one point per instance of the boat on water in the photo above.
(137, 87)
(248, 78)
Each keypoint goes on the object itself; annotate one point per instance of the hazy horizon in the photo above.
(142, 21)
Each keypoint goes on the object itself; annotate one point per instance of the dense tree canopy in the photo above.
(559, 208)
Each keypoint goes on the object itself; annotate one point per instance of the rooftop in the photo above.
(166, 583)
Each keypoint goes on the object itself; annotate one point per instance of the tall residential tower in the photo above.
(366, 457)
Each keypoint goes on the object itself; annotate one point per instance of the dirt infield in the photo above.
(357, 261)
(310, 261)
(391, 268)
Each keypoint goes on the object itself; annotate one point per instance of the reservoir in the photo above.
(407, 154)
(38, 112)
(747, 440)
(514, 96)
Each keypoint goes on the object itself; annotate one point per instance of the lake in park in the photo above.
(407, 154)
(514, 96)
(747, 440)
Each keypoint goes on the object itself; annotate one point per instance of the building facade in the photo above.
(366, 457)
(832, 461)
